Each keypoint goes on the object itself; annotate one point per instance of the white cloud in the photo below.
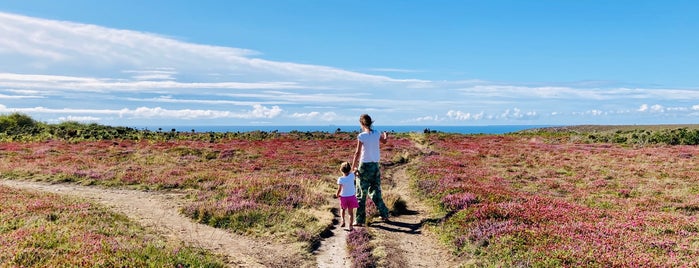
(7, 97)
(677, 109)
(257, 112)
(306, 116)
(260, 111)
(596, 112)
(480, 89)
(516, 113)
(170, 99)
(429, 118)
(657, 108)
(79, 118)
(459, 115)
(58, 44)
(394, 70)
(149, 75)
(92, 84)
(59, 67)
(327, 116)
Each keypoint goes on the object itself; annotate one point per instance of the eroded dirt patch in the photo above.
(159, 211)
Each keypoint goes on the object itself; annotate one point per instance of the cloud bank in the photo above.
(59, 70)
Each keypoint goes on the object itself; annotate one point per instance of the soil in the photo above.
(403, 239)
(407, 242)
(159, 211)
(333, 249)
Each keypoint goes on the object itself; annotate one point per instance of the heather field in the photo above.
(271, 185)
(530, 202)
(45, 230)
(524, 200)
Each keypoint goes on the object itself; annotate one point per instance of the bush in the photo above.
(16, 120)
(17, 123)
(359, 247)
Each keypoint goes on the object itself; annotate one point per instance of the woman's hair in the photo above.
(345, 167)
(366, 121)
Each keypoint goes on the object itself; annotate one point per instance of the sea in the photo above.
(489, 129)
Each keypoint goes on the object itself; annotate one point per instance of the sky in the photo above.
(313, 62)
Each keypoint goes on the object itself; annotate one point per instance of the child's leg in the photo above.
(351, 216)
(343, 218)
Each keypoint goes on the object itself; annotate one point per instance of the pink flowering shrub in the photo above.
(458, 201)
(257, 184)
(360, 248)
(525, 202)
(45, 230)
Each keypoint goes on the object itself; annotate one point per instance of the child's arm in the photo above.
(339, 188)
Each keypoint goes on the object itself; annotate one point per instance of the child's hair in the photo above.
(365, 120)
(345, 167)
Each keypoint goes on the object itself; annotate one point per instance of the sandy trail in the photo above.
(407, 243)
(159, 211)
(333, 250)
(403, 239)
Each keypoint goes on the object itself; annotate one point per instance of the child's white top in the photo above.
(370, 148)
(347, 185)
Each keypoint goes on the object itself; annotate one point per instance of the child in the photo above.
(346, 191)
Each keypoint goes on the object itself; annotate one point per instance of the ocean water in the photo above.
(493, 129)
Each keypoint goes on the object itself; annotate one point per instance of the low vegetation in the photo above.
(528, 201)
(631, 135)
(614, 197)
(257, 183)
(360, 247)
(45, 230)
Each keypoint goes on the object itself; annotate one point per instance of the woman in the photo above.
(368, 156)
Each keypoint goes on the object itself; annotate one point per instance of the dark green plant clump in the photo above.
(631, 136)
(21, 127)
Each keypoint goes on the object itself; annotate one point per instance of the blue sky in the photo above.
(149, 63)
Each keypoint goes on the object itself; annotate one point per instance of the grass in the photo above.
(518, 201)
(553, 198)
(615, 128)
(45, 230)
(621, 134)
(267, 187)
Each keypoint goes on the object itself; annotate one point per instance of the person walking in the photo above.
(366, 165)
(346, 193)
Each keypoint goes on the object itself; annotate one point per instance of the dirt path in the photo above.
(403, 238)
(333, 250)
(159, 211)
(406, 242)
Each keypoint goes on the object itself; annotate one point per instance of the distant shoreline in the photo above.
(491, 129)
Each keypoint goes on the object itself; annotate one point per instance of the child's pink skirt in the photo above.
(348, 202)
